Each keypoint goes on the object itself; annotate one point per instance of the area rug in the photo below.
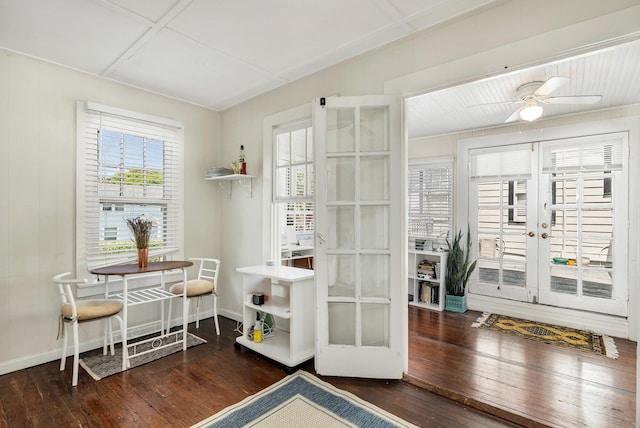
(100, 366)
(302, 400)
(583, 340)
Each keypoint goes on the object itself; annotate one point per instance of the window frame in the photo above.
(425, 164)
(89, 201)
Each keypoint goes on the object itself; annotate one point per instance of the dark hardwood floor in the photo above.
(457, 375)
(525, 381)
(185, 388)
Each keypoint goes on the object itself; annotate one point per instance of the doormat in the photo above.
(100, 366)
(303, 400)
(582, 340)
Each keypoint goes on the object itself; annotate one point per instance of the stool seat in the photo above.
(73, 312)
(195, 287)
(92, 309)
(205, 284)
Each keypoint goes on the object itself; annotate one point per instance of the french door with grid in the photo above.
(550, 221)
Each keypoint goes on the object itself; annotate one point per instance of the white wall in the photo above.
(37, 192)
(514, 32)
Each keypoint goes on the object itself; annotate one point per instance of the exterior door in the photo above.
(502, 219)
(584, 223)
(551, 222)
(360, 237)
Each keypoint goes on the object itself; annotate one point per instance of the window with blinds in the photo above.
(293, 184)
(128, 166)
(430, 196)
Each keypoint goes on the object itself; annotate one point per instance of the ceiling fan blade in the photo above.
(577, 99)
(551, 85)
(515, 115)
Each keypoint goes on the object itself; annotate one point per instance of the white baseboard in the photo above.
(610, 325)
(95, 343)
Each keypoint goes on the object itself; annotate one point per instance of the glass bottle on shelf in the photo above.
(242, 161)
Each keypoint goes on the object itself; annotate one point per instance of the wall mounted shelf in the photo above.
(226, 182)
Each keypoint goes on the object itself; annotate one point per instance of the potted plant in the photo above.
(141, 228)
(459, 270)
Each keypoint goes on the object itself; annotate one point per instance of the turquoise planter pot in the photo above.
(456, 304)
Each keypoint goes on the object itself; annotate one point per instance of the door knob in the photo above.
(544, 236)
(544, 225)
(531, 234)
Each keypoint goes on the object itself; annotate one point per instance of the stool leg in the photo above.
(76, 354)
(198, 312)
(215, 314)
(65, 334)
(113, 349)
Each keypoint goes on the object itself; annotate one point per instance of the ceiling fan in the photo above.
(534, 95)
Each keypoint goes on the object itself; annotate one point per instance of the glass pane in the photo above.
(514, 247)
(489, 271)
(373, 129)
(298, 146)
(597, 283)
(513, 274)
(374, 227)
(310, 182)
(341, 179)
(283, 154)
(342, 323)
(341, 228)
(489, 220)
(342, 275)
(282, 184)
(490, 246)
(375, 325)
(597, 252)
(374, 274)
(488, 194)
(597, 189)
(564, 222)
(597, 223)
(564, 280)
(374, 179)
(565, 191)
(340, 126)
(299, 180)
(563, 248)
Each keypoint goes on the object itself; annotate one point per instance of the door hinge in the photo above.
(323, 102)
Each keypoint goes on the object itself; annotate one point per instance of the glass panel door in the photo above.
(360, 227)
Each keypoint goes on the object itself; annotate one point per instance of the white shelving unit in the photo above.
(225, 182)
(426, 275)
(291, 302)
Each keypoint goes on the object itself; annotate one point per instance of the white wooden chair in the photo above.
(205, 284)
(73, 312)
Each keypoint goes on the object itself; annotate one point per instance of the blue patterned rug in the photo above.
(302, 400)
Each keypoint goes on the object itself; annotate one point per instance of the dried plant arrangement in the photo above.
(141, 228)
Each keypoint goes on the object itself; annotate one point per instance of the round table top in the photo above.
(129, 269)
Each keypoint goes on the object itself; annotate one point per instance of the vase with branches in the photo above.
(141, 228)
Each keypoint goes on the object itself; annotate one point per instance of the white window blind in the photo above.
(592, 153)
(430, 211)
(500, 163)
(129, 164)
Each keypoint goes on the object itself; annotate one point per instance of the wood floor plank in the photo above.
(181, 389)
(549, 384)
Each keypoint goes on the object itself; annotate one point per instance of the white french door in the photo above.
(550, 219)
(360, 237)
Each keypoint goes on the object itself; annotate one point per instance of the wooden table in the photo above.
(146, 295)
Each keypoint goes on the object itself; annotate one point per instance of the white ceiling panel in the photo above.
(179, 67)
(77, 33)
(279, 34)
(213, 53)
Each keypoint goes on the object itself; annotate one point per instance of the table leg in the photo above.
(162, 306)
(125, 324)
(185, 309)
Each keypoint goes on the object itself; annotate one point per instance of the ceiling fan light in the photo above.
(531, 112)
